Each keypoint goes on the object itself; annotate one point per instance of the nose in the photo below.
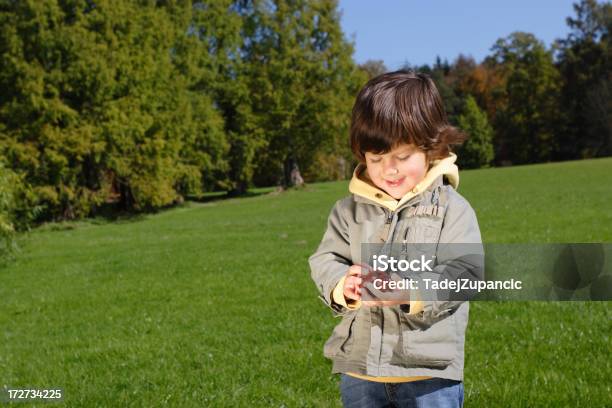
(390, 168)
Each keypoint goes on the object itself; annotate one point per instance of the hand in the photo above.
(392, 296)
(353, 286)
(352, 283)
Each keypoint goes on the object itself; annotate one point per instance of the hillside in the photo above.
(212, 303)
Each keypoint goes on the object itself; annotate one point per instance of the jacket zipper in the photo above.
(389, 217)
(387, 230)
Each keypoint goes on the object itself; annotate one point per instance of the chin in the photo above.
(397, 194)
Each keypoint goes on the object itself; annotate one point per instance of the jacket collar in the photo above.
(360, 186)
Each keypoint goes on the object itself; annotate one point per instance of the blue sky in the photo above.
(416, 31)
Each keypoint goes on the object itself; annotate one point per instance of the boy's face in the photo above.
(397, 171)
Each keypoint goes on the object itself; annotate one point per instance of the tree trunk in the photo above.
(239, 189)
(292, 176)
(126, 198)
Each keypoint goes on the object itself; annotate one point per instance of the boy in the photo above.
(405, 352)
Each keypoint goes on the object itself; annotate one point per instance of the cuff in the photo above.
(416, 304)
(338, 296)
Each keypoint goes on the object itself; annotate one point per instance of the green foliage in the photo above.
(17, 209)
(526, 123)
(302, 80)
(135, 105)
(138, 105)
(373, 68)
(217, 38)
(329, 167)
(7, 203)
(99, 107)
(477, 151)
(585, 64)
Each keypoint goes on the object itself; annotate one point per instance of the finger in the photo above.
(351, 287)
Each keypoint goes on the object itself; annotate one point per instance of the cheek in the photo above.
(416, 171)
(373, 171)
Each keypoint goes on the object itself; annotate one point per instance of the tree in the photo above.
(441, 77)
(7, 203)
(585, 63)
(16, 209)
(373, 68)
(137, 105)
(219, 34)
(100, 105)
(477, 151)
(527, 124)
(484, 81)
(302, 80)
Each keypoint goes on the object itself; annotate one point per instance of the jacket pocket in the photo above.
(425, 235)
(426, 230)
(341, 338)
(433, 346)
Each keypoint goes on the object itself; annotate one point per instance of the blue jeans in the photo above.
(435, 392)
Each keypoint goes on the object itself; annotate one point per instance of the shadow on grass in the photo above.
(111, 213)
(222, 195)
(103, 215)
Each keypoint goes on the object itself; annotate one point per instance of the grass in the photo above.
(211, 304)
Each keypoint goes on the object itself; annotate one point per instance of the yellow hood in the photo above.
(361, 187)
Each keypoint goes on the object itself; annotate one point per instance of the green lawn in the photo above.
(211, 304)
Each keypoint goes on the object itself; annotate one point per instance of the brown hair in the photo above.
(401, 107)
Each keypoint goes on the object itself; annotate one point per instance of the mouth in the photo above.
(394, 183)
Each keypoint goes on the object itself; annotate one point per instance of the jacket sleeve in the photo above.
(460, 254)
(332, 259)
